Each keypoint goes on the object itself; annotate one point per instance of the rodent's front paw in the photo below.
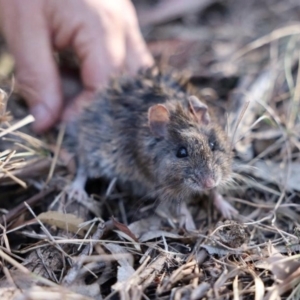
(76, 189)
(225, 208)
(76, 192)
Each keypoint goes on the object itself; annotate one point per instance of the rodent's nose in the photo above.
(209, 183)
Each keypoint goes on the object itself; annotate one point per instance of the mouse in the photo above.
(155, 137)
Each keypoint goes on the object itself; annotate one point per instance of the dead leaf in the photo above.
(68, 222)
(225, 276)
(259, 286)
(124, 229)
(285, 286)
(129, 238)
(281, 266)
(200, 291)
(145, 225)
(273, 172)
(6, 64)
(38, 292)
(154, 234)
(125, 268)
(219, 250)
(235, 287)
(257, 90)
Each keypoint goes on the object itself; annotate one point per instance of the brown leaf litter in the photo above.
(244, 57)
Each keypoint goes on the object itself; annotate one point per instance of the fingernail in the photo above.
(42, 116)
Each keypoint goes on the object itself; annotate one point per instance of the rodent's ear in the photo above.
(199, 110)
(158, 118)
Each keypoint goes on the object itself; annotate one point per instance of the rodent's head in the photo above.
(193, 153)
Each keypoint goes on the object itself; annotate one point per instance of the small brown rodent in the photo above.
(155, 138)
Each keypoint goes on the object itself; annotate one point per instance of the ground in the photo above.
(244, 57)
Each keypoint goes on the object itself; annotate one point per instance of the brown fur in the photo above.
(114, 138)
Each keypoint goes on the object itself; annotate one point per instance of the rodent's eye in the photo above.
(212, 146)
(182, 152)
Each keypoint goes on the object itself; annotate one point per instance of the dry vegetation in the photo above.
(243, 55)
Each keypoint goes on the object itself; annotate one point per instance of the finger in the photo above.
(100, 48)
(36, 73)
(138, 55)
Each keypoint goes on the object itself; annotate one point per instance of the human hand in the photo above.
(103, 34)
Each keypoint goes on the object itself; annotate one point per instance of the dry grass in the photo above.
(54, 250)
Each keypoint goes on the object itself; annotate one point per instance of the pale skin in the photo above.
(104, 35)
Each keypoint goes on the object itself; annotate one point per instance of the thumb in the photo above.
(36, 73)
(39, 85)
